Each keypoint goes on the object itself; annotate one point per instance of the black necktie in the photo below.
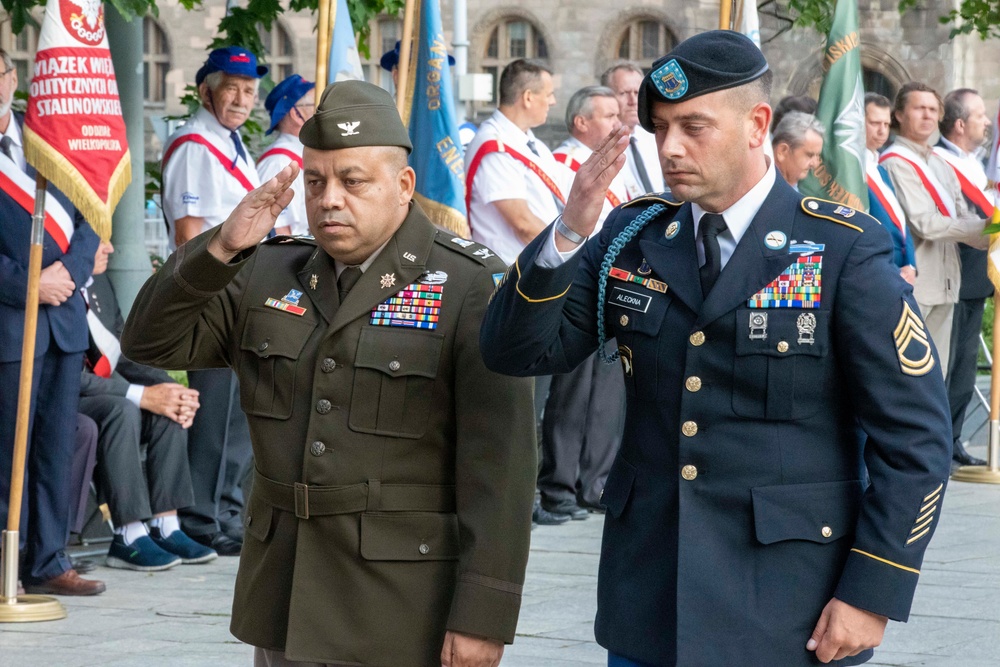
(5, 143)
(240, 153)
(348, 278)
(712, 224)
(640, 166)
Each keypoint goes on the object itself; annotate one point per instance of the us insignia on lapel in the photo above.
(913, 345)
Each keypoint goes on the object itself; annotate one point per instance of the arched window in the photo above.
(155, 63)
(876, 82)
(643, 41)
(509, 40)
(278, 52)
(21, 49)
(385, 32)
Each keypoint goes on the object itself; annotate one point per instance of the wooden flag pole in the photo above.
(16, 608)
(323, 36)
(405, 46)
(725, 14)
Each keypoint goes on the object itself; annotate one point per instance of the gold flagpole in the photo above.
(322, 47)
(16, 608)
(725, 14)
(405, 46)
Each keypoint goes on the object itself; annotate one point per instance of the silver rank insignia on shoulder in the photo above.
(913, 346)
(484, 253)
(758, 326)
(433, 278)
(806, 324)
(388, 280)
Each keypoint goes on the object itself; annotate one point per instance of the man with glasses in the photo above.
(291, 103)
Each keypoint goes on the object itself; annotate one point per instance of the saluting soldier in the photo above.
(391, 508)
(767, 329)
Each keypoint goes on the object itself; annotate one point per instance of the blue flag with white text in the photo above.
(429, 113)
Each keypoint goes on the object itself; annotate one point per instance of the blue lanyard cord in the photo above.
(616, 246)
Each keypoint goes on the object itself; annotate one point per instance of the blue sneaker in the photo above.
(142, 555)
(181, 545)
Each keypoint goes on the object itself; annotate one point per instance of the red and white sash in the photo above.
(497, 146)
(942, 198)
(886, 197)
(281, 153)
(104, 358)
(567, 160)
(21, 188)
(217, 148)
(980, 197)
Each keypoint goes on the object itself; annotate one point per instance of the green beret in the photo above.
(354, 113)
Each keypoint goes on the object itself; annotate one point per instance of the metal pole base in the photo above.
(30, 608)
(977, 474)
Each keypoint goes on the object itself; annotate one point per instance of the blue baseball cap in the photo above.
(391, 58)
(234, 60)
(283, 98)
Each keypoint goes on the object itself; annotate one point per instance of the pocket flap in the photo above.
(618, 487)
(409, 536)
(399, 352)
(762, 331)
(821, 512)
(270, 332)
(635, 308)
(257, 518)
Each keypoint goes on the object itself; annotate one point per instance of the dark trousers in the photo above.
(131, 493)
(965, 328)
(581, 432)
(219, 454)
(84, 460)
(45, 506)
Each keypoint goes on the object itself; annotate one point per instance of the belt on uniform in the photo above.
(307, 500)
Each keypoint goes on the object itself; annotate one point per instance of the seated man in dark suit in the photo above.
(135, 405)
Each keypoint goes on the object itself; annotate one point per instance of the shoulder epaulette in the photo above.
(467, 248)
(834, 212)
(654, 198)
(281, 239)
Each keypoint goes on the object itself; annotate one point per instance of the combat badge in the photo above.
(758, 326)
(806, 324)
(805, 248)
(433, 278)
(625, 354)
(913, 346)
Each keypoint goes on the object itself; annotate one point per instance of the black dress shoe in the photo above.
(543, 517)
(567, 507)
(222, 543)
(592, 508)
(963, 458)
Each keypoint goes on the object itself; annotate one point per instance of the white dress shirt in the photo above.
(578, 152)
(646, 145)
(17, 143)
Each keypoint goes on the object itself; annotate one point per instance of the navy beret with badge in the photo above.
(708, 62)
(352, 114)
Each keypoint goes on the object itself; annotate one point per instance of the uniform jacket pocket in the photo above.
(271, 344)
(409, 536)
(257, 519)
(821, 512)
(394, 376)
(618, 487)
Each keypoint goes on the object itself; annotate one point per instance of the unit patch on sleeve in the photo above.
(798, 286)
(913, 345)
(416, 306)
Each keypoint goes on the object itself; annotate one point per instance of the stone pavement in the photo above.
(180, 618)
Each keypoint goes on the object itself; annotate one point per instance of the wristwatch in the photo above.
(568, 233)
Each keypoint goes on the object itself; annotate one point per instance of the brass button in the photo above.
(328, 365)
(317, 448)
(693, 383)
(624, 320)
(262, 346)
(393, 365)
(827, 531)
(689, 472)
(782, 346)
(689, 429)
(323, 406)
(697, 338)
(424, 549)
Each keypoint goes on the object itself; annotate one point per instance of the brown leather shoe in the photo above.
(67, 583)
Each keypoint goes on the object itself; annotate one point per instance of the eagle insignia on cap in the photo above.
(348, 128)
(670, 80)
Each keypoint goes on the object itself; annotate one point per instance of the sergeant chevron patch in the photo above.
(928, 510)
(913, 346)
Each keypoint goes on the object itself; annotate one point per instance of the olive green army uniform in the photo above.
(395, 473)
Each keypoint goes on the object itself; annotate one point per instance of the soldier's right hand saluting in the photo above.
(254, 217)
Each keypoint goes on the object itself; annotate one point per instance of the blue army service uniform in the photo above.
(735, 500)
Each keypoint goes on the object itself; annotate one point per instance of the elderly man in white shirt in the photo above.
(642, 173)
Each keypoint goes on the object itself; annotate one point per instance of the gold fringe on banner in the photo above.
(444, 216)
(59, 171)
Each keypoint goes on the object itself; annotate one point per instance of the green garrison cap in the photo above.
(352, 114)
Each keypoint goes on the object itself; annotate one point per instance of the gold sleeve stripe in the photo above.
(934, 492)
(922, 525)
(527, 298)
(932, 505)
(917, 537)
(887, 562)
(926, 514)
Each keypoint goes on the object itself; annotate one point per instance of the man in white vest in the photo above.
(206, 173)
(935, 209)
(963, 134)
